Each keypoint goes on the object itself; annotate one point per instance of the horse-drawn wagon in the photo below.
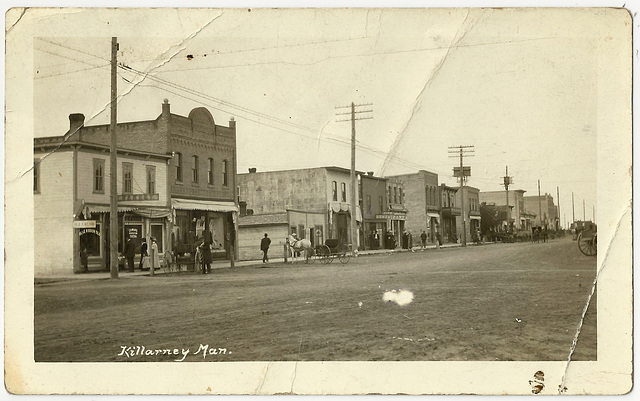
(333, 249)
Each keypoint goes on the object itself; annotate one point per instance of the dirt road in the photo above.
(485, 303)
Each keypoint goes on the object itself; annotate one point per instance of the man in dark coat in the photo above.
(129, 253)
(264, 247)
(143, 252)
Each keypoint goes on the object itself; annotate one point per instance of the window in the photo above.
(389, 196)
(127, 178)
(225, 173)
(98, 175)
(400, 195)
(36, 176)
(179, 166)
(194, 169)
(210, 172)
(395, 195)
(343, 189)
(381, 203)
(368, 203)
(334, 190)
(151, 179)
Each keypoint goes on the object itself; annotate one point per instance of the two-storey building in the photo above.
(373, 200)
(176, 180)
(422, 202)
(450, 212)
(317, 202)
(470, 211)
(518, 218)
(72, 196)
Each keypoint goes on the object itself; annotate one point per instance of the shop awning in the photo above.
(211, 206)
(475, 218)
(152, 213)
(106, 208)
(436, 215)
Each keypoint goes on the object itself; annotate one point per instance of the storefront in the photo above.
(433, 223)
(340, 221)
(394, 227)
(195, 220)
(134, 223)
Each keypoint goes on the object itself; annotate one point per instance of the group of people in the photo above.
(423, 240)
(130, 252)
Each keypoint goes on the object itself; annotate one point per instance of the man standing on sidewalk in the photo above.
(130, 253)
(264, 247)
(423, 239)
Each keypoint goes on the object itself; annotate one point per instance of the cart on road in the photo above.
(333, 249)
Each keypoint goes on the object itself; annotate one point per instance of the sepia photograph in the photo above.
(318, 200)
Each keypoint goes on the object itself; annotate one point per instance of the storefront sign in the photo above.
(391, 216)
(89, 231)
(84, 224)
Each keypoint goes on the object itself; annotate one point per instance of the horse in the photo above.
(299, 245)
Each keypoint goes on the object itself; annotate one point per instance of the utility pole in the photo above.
(594, 214)
(558, 214)
(507, 181)
(584, 216)
(539, 203)
(462, 171)
(354, 192)
(113, 211)
(573, 207)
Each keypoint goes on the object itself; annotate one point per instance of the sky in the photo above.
(520, 86)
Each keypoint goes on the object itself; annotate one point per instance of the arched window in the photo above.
(334, 191)
(210, 172)
(343, 190)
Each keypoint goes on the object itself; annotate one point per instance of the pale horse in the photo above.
(299, 245)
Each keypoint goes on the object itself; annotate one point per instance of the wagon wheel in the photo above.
(323, 253)
(588, 245)
(310, 256)
(344, 254)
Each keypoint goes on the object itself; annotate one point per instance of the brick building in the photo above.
(373, 200)
(450, 212)
(422, 201)
(470, 211)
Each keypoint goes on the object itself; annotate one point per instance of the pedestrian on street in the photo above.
(143, 253)
(206, 257)
(155, 258)
(130, 253)
(264, 247)
(84, 260)
(423, 239)
(438, 240)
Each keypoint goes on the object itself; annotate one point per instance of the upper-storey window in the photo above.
(334, 191)
(343, 191)
(151, 179)
(36, 176)
(179, 166)
(194, 169)
(225, 173)
(98, 175)
(210, 172)
(127, 178)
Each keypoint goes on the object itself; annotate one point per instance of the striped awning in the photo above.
(210, 206)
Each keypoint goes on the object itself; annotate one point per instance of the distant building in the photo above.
(544, 209)
(374, 207)
(470, 211)
(451, 211)
(520, 219)
(422, 202)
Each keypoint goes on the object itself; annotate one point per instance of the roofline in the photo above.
(97, 146)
